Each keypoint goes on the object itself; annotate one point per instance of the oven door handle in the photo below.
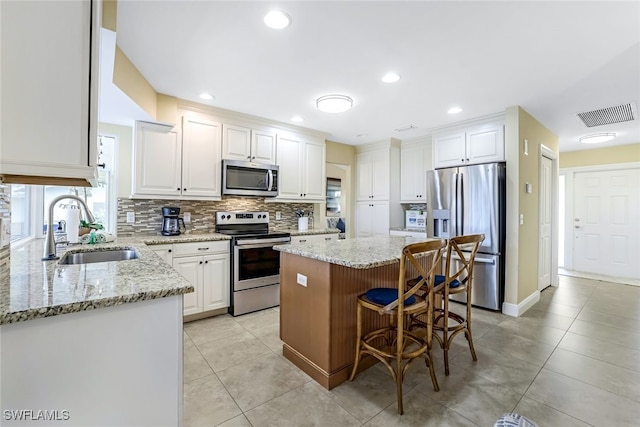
(257, 243)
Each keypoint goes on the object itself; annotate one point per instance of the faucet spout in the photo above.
(49, 242)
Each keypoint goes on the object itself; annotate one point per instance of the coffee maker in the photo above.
(171, 223)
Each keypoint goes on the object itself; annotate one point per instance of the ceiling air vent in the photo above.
(609, 115)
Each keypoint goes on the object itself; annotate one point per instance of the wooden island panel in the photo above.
(318, 322)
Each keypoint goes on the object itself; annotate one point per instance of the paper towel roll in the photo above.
(72, 218)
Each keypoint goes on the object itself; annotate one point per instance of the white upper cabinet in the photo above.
(473, 145)
(49, 80)
(374, 174)
(302, 168)
(250, 145)
(415, 161)
(178, 163)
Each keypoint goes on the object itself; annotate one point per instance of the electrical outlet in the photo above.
(5, 232)
(131, 217)
(521, 219)
(301, 279)
(187, 217)
(278, 215)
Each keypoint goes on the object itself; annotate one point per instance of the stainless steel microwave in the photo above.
(249, 179)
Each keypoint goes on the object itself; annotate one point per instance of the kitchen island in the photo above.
(319, 286)
(92, 344)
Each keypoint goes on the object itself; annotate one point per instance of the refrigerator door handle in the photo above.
(460, 203)
(478, 260)
(454, 205)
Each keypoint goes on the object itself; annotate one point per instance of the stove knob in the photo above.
(259, 216)
(228, 216)
(265, 216)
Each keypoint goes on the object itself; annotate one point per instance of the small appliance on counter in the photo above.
(415, 219)
(172, 224)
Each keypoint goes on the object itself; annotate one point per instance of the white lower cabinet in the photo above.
(165, 252)
(372, 219)
(206, 266)
(314, 238)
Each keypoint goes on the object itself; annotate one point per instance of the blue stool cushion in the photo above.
(440, 279)
(384, 296)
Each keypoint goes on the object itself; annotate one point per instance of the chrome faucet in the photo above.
(49, 242)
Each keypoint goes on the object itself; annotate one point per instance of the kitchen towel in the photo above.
(100, 237)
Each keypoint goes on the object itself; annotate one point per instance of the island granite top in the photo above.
(32, 288)
(360, 253)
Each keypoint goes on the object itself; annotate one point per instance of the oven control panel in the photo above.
(242, 217)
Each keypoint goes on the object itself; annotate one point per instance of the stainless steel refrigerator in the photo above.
(472, 200)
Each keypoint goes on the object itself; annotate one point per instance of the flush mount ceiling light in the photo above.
(597, 138)
(206, 96)
(454, 110)
(297, 119)
(334, 103)
(277, 20)
(391, 77)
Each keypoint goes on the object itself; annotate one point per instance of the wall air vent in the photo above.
(606, 116)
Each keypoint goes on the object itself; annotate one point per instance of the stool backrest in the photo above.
(459, 261)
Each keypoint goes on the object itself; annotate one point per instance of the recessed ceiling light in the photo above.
(334, 103)
(277, 20)
(391, 77)
(206, 96)
(297, 119)
(597, 138)
(454, 110)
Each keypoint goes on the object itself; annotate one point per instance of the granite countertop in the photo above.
(360, 253)
(33, 288)
(410, 230)
(295, 232)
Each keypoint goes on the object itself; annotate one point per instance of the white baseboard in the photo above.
(517, 310)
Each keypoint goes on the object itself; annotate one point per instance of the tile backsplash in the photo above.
(148, 213)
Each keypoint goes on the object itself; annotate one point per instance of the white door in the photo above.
(546, 215)
(263, 146)
(158, 160)
(364, 172)
(201, 157)
(606, 222)
(289, 158)
(313, 173)
(364, 219)
(191, 269)
(215, 282)
(236, 143)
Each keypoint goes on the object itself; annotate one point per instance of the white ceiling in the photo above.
(554, 59)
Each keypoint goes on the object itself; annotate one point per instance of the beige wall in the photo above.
(127, 77)
(522, 247)
(124, 135)
(601, 156)
(109, 14)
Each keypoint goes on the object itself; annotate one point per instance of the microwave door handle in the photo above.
(269, 179)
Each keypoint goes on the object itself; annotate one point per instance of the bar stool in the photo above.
(395, 342)
(457, 279)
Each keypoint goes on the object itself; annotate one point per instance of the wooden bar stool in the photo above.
(395, 342)
(457, 279)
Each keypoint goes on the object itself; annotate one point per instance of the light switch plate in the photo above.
(5, 232)
(187, 217)
(131, 217)
(278, 215)
(301, 279)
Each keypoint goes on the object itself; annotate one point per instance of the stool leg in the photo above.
(358, 340)
(399, 370)
(468, 332)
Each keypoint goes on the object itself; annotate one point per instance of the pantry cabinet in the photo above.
(374, 173)
(415, 161)
(473, 145)
(178, 163)
(243, 143)
(302, 168)
(50, 62)
(206, 265)
(372, 219)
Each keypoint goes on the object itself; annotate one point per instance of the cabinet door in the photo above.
(414, 161)
(289, 157)
(263, 147)
(236, 142)
(201, 174)
(313, 172)
(485, 144)
(191, 269)
(449, 150)
(49, 81)
(165, 252)
(380, 219)
(215, 282)
(364, 171)
(364, 219)
(381, 174)
(158, 160)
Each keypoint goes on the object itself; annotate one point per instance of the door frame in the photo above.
(550, 154)
(569, 174)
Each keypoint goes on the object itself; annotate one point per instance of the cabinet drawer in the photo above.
(200, 248)
(314, 238)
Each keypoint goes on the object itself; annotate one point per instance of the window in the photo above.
(20, 212)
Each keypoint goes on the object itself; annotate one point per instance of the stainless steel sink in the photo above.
(99, 256)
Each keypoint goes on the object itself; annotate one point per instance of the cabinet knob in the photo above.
(206, 262)
(300, 194)
(462, 160)
(169, 250)
(178, 188)
(249, 157)
(304, 195)
(184, 189)
(303, 240)
(467, 160)
(200, 262)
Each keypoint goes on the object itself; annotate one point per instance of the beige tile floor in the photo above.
(571, 360)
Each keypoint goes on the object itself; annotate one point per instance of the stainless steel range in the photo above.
(255, 265)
